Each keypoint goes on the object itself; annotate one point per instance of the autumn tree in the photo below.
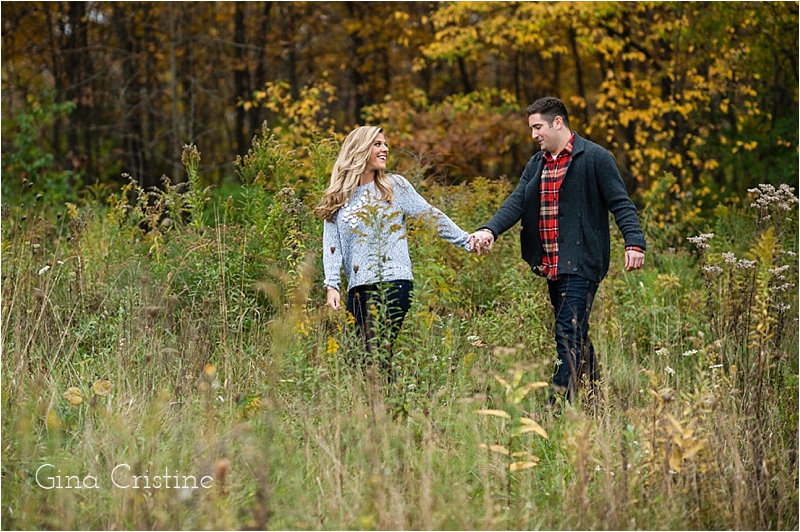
(705, 92)
(692, 89)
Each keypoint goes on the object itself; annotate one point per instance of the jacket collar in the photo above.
(578, 144)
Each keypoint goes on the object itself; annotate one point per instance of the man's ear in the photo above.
(558, 122)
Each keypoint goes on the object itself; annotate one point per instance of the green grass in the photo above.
(225, 363)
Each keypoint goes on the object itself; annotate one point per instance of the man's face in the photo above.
(547, 135)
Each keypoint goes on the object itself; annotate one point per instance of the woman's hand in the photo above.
(334, 301)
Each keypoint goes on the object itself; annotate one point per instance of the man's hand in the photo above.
(481, 241)
(334, 300)
(633, 260)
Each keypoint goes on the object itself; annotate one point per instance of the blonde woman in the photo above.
(364, 235)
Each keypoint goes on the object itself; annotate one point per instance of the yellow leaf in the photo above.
(502, 381)
(516, 466)
(694, 449)
(74, 396)
(520, 393)
(210, 370)
(675, 423)
(530, 425)
(675, 459)
(517, 378)
(495, 448)
(101, 387)
(498, 413)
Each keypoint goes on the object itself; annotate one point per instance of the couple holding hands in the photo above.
(562, 201)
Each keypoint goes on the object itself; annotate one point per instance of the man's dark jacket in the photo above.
(590, 190)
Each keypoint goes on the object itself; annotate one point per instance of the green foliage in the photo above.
(28, 163)
(197, 196)
(203, 346)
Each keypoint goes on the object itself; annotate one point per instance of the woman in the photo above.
(364, 209)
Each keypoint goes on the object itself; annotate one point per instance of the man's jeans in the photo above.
(572, 297)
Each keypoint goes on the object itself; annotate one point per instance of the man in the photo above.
(563, 199)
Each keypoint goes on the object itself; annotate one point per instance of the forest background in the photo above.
(162, 300)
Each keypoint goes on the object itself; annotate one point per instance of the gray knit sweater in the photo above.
(368, 236)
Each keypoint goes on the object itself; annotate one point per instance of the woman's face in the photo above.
(378, 155)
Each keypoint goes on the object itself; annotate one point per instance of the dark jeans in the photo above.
(379, 311)
(572, 297)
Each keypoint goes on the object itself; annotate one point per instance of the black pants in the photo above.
(379, 311)
(572, 297)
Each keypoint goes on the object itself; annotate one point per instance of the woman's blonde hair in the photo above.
(347, 170)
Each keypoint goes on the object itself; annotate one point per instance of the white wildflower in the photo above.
(729, 257)
(712, 268)
(782, 288)
(700, 240)
(43, 270)
(690, 352)
(669, 370)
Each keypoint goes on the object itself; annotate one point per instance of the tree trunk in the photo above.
(260, 76)
(173, 67)
(289, 51)
(131, 127)
(55, 54)
(356, 77)
(465, 81)
(241, 77)
(573, 41)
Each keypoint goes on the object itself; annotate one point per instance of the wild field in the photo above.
(178, 332)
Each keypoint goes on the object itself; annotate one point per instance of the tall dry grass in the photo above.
(223, 362)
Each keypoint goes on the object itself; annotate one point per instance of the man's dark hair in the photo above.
(549, 108)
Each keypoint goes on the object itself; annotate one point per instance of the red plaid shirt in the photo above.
(555, 169)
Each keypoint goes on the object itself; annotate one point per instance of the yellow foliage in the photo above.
(333, 346)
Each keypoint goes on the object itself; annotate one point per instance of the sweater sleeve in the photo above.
(410, 202)
(331, 254)
(619, 204)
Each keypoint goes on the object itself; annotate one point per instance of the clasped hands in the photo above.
(481, 241)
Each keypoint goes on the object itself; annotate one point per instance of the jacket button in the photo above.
(574, 269)
(578, 243)
(569, 264)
